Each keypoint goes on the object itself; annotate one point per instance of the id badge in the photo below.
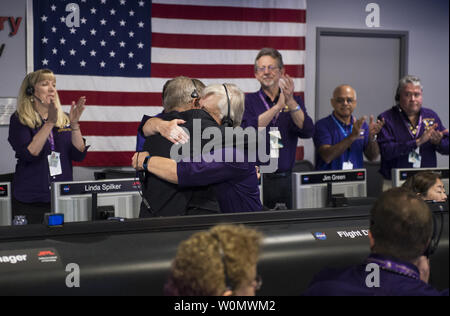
(415, 158)
(54, 164)
(275, 144)
(347, 165)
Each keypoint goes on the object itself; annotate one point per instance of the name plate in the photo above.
(333, 177)
(99, 187)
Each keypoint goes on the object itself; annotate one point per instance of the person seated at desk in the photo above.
(401, 228)
(412, 134)
(221, 261)
(235, 183)
(427, 185)
(340, 139)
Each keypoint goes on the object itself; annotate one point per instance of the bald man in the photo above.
(341, 139)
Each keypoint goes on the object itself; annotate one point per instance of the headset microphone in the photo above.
(227, 121)
(437, 208)
(34, 96)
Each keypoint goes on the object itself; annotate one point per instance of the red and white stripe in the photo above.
(215, 41)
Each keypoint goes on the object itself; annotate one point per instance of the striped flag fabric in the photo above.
(119, 54)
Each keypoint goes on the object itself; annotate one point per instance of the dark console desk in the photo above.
(133, 257)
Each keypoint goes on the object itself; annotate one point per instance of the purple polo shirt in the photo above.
(352, 282)
(396, 142)
(330, 131)
(235, 183)
(32, 177)
(290, 133)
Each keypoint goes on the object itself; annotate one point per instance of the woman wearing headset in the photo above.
(45, 140)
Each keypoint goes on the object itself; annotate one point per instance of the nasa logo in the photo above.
(320, 236)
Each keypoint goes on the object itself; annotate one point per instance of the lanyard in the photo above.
(261, 96)
(51, 140)
(340, 126)
(343, 131)
(394, 267)
(409, 126)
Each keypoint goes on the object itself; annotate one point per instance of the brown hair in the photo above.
(272, 52)
(401, 224)
(421, 182)
(199, 268)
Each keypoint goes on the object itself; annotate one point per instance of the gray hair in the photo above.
(414, 80)
(272, 52)
(177, 93)
(237, 100)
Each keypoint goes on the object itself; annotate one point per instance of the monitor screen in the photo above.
(115, 198)
(5, 204)
(400, 175)
(309, 189)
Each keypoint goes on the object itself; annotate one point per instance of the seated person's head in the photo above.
(400, 225)
(221, 261)
(215, 99)
(181, 94)
(428, 185)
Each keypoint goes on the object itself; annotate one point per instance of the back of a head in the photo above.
(177, 93)
(235, 96)
(206, 260)
(401, 224)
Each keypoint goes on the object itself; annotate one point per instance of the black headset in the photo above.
(437, 211)
(227, 121)
(30, 89)
(194, 94)
(397, 94)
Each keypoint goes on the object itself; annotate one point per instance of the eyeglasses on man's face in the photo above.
(343, 100)
(270, 68)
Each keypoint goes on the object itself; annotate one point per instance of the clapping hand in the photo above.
(76, 110)
(52, 112)
(357, 127)
(436, 136)
(375, 127)
(287, 88)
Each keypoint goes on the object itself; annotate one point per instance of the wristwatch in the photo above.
(145, 164)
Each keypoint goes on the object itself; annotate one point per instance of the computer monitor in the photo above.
(400, 175)
(310, 189)
(5, 204)
(116, 197)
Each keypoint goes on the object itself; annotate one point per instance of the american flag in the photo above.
(119, 54)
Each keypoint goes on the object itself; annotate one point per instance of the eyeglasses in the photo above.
(269, 68)
(342, 100)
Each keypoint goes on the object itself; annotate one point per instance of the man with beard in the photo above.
(275, 106)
